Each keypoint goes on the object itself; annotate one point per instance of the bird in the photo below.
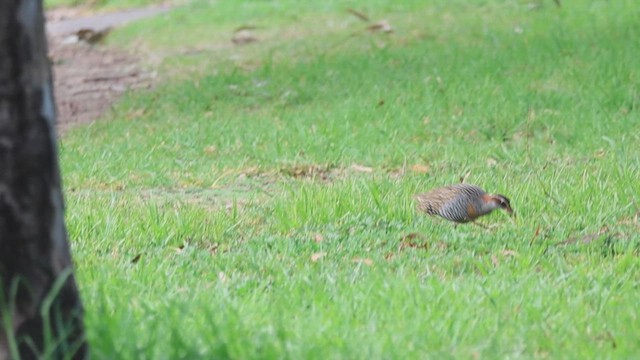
(461, 203)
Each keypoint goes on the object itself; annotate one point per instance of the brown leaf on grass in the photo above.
(243, 37)
(249, 172)
(308, 171)
(420, 169)
(413, 245)
(360, 15)
(245, 27)
(318, 238)
(361, 168)
(407, 242)
(381, 26)
(136, 258)
(317, 256)
(91, 36)
(365, 261)
(135, 114)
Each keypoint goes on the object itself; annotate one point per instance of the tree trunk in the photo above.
(41, 312)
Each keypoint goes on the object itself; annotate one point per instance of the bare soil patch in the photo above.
(89, 77)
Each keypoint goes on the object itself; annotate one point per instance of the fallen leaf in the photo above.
(406, 242)
(303, 171)
(317, 256)
(360, 168)
(381, 26)
(135, 114)
(318, 238)
(358, 14)
(245, 27)
(210, 149)
(136, 258)
(365, 261)
(243, 36)
(91, 36)
(413, 245)
(420, 169)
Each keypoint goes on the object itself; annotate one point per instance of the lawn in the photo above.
(257, 203)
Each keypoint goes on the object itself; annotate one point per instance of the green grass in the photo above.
(227, 213)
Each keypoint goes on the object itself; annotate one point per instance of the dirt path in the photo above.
(90, 78)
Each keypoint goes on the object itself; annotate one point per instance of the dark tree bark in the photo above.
(41, 312)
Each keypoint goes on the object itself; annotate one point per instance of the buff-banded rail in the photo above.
(461, 203)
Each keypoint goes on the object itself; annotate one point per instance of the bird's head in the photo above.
(500, 202)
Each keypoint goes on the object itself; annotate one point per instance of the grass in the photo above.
(258, 202)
